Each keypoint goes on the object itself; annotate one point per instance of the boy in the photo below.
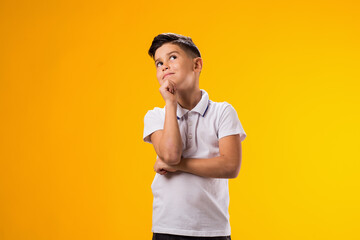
(198, 146)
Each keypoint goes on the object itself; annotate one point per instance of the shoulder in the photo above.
(218, 108)
(156, 111)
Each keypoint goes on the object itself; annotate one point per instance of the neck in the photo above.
(190, 98)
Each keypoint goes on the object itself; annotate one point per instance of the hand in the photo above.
(168, 91)
(162, 168)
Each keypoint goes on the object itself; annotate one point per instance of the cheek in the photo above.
(176, 66)
(159, 79)
(158, 75)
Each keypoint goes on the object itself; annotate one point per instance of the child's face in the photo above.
(170, 58)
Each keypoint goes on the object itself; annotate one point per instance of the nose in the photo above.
(165, 66)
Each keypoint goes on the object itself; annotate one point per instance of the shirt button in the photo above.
(190, 136)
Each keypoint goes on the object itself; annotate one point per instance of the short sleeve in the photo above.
(229, 123)
(153, 121)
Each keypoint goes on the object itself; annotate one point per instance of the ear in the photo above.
(197, 64)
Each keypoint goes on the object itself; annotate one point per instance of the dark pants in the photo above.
(163, 236)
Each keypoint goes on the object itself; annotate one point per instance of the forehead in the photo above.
(165, 49)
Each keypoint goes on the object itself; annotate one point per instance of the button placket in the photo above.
(189, 130)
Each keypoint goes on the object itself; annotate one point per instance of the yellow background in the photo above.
(76, 82)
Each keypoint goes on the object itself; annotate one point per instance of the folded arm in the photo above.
(227, 165)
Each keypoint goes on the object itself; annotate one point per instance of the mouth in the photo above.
(167, 75)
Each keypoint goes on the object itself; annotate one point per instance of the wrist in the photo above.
(171, 103)
(180, 165)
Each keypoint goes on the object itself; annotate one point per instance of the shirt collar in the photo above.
(201, 107)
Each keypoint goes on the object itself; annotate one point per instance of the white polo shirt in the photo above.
(184, 203)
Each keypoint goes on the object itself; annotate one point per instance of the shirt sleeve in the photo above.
(230, 124)
(153, 121)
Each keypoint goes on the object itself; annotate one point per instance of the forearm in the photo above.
(217, 167)
(171, 143)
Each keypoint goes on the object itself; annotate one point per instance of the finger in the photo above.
(170, 87)
(172, 83)
(165, 84)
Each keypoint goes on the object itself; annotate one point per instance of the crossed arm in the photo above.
(227, 165)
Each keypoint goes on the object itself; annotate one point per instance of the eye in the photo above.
(157, 65)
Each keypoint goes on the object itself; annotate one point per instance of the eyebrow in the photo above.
(168, 55)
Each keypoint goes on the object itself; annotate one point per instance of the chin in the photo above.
(175, 81)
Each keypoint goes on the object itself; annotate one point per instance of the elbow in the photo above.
(233, 174)
(172, 159)
(233, 170)
(173, 156)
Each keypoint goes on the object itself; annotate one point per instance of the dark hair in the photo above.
(185, 43)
